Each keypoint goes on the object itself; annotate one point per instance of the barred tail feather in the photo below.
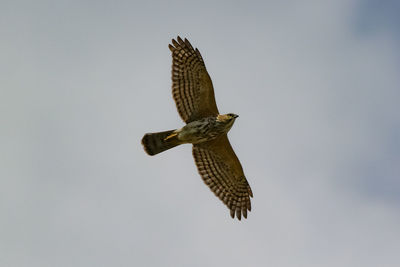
(155, 143)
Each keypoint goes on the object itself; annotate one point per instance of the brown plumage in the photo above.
(222, 172)
(192, 88)
(206, 129)
(155, 143)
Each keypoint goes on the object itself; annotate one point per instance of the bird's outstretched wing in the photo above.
(221, 170)
(192, 87)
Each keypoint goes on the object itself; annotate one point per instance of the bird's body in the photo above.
(206, 129)
(194, 132)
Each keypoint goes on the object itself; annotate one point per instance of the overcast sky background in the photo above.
(317, 88)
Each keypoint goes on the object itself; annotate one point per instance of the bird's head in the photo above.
(230, 117)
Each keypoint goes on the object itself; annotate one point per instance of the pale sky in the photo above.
(316, 85)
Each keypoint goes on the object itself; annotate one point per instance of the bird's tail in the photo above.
(155, 143)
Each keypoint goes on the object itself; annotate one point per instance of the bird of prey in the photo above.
(205, 128)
